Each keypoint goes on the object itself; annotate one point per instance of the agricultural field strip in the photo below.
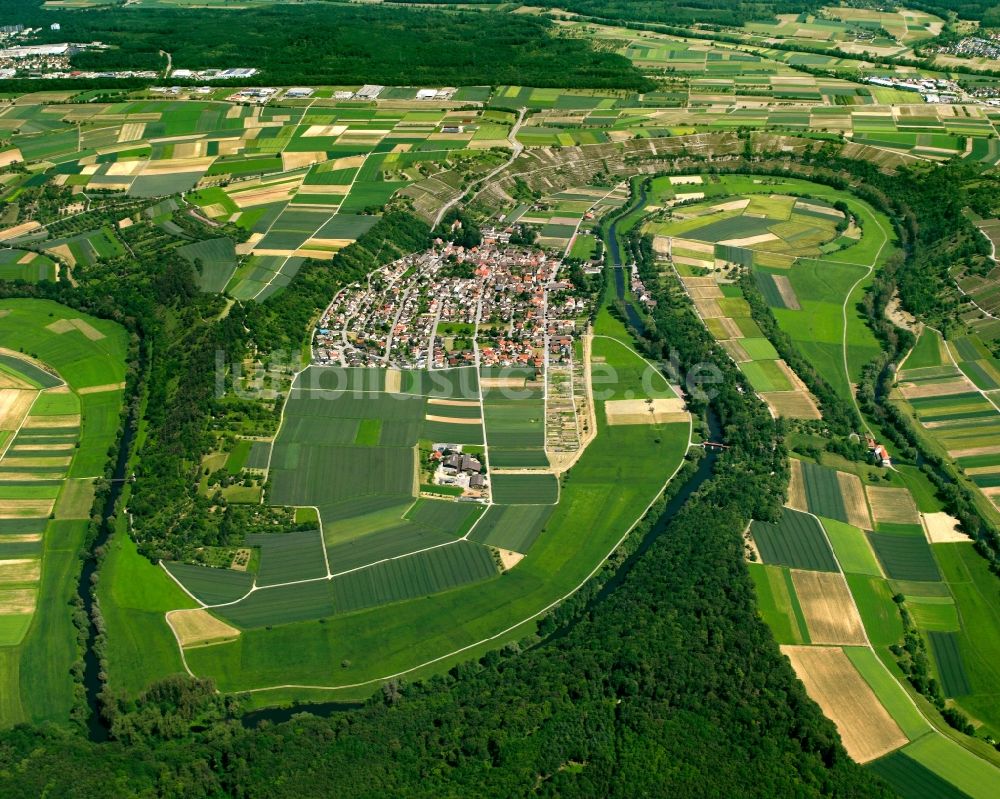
(467, 647)
(280, 269)
(868, 642)
(951, 356)
(10, 439)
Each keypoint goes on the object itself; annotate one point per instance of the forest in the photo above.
(343, 45)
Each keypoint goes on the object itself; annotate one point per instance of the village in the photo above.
(494, 305)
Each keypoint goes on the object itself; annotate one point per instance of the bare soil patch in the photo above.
(917, 390)
(393, 380)
(797, 487)
(748, 240)
(25, 508)
(14, 406)
(17, 600)
(501, 382)
(784, 286)
(509, 559)
(452, 420)
(736, 351)
(453, 402)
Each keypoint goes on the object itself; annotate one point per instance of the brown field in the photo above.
(198, 627)
(682, 180)
(657, 411)
(508, 558)
(43, 447)
(941, 528)
(296, 160)
(19, 230)
(784, 286)
(968, 452)
(730, 327)
(829, 611)
(125, 168)
(11, 156)
(791, 404)
(14, 406)
(13, 381)
(15, 462)
(820, 209)
(707, 309)
(712, 292)
(331, 188)
(17, 600)
(748, 240)
(735, 350)
(20, 570)
(917, 390)
(175, 166)
(853, 492)
(69, 420)
(20, 538)
(393, 380)
(867, 730)
(131, 131)
(102, 389)
(797, 487)
(451, 420)
(453, 403)
(892, 505)
(25, 508)
(324, 130)
(263, 195)
(502, 382)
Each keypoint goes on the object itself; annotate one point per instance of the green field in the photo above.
(778, 604)
(797, 541)
(852, 548)
(904, 557)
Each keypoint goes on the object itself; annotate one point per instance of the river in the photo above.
(614, 260)
(91, 663)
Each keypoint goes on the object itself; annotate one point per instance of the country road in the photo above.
(517, 148)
